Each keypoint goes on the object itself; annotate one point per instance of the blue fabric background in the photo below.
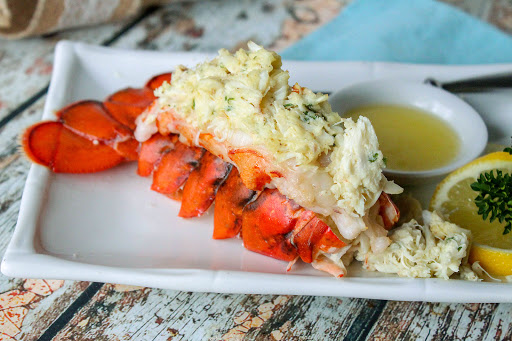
(413, 31)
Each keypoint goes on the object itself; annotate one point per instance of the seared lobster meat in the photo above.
(91, 136)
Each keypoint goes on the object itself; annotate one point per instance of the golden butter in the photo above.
(410, 139)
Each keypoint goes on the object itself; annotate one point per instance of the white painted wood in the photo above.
(26, 65)
(145, 314)
(429, 321)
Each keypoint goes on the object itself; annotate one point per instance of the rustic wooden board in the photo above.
(13, 170)
(192, 27)
(495, 12)
(146, 314)
(84, 311)
(26, 65)
(438, 321)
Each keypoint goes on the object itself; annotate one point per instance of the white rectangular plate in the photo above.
(110, 227)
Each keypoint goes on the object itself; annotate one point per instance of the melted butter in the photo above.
(410, 139)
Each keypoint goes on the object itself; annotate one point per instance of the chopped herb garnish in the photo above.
(288, 105)
(495, 197)
(228, 99)
(194, 103)
(374, 157)
(385, 160)
(459, 248)
(308, 115)
(229, 108)
(451, 238)
(310, 107)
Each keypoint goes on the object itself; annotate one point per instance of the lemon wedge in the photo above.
(454, 199)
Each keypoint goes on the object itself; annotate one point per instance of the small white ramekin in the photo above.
(464, 120)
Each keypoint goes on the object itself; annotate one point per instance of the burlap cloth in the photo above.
(23, 18)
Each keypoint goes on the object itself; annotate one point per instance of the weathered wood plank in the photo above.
(13, 170)
(26, 65)
(500, 327)
(43, 313)
(147, 314)
(495, 12)
(438, 321)
(152, 314)
(182, 27)
(307, 318)
(207, 26)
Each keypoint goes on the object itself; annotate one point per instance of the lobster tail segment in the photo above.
(158, 80)
(125, 105)
(202, 185)
(90, 119)
(52, 145)
(152, 151)
(230, 201)
(175, 167)
(266, 223)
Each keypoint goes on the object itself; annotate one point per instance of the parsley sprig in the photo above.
(494, 200)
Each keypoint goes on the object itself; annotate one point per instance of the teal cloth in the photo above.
(409, 31)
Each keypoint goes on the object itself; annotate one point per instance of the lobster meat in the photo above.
(198, 170)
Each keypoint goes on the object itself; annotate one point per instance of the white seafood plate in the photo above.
(110, 227)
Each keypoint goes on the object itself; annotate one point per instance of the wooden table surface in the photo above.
(68, 310)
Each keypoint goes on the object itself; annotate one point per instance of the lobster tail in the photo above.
(92, 136)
